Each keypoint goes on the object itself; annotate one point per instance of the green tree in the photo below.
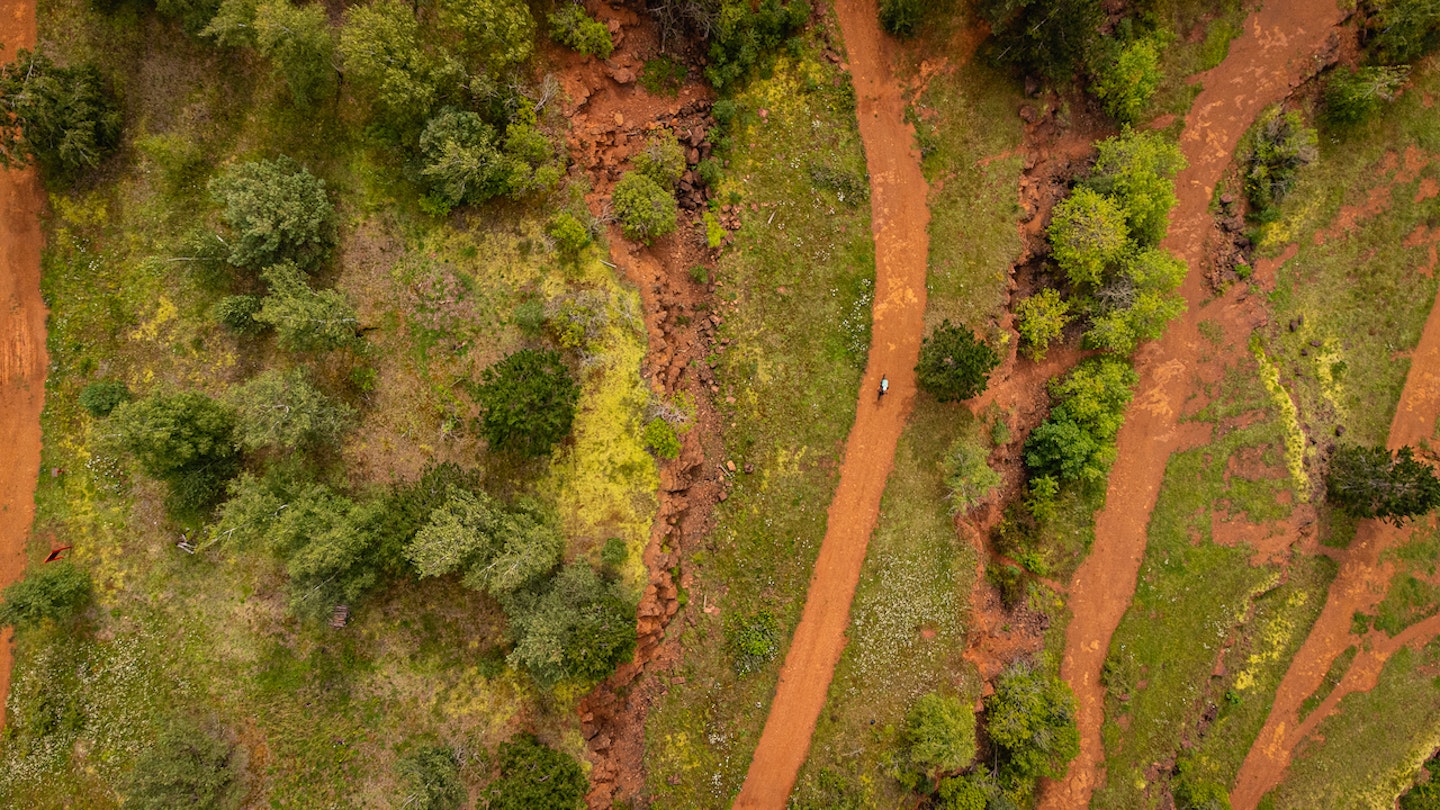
(51, 592)
(186, 767)
(1404, 30)
(570, 234)
(1129, 77)
(1088, 234)
(939, 736)
(500, 550)
(1136, 170)
(282, 409)
(572, 27)
(1030, 719)
(382, 51)
(186, 440)
(460, 159)
(233, 25)
(662, 159)
(1076, 442)
(954, 364)
(1050, 38)
(237, 313)
(277, 211)
(101, 397)
(305, 319)
(534, 776)
(300, 46)
(1371, 482)
(1276, 149)
(330, 548)
(1138, 302)
(742, 35)
(645, 208)
(577, 628)
(432, 779)
(1040, 319)
(527, 402)
(497, 34)
(968, 477)
(1354, 94)
(65, 119)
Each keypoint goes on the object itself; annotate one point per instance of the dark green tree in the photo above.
(284, 410)
(277, 211)
(102, 397)
(330, 547)
(432, 779)
(939, 736)
(577, 628)
(1077, 440)
(186, 767)
(1403, 30)
(186, 440)
(65, 119)
(645, 208)
(52, 592)
(534, 776)
(306, 319)
(527, 402)
(954, 364)
(1371, 482)
(1030, 719)
(461, 160)
(1049, 38)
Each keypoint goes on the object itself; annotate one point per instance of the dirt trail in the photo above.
(900, 218)
(1276, 50)
(1359, 587)
(22, 342)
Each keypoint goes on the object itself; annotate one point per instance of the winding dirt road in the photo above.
(22, 342)
(900, 219)
(1275, 52)
(1359, 587)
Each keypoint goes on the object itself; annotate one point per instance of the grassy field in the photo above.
(795, 292)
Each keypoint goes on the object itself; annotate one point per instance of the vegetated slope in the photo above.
(1261, 66)
(22, 342)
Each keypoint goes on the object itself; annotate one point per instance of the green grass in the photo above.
(794, 295)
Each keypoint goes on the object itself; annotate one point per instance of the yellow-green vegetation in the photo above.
(794, 293)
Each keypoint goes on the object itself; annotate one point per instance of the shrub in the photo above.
(752, 640)
(572, 27)
(65, 119)
(237, 313)
(186, 440)
(570, 234)
(968, 477)
(939, 735)
(534, 776)
(577, 628)
(644, 207)
(661, 439)
(903, 18)
(1087, 234)
(186, 767)
(1030, 719)
(1040, 319)
(277, 212)
(52, 592)
(101, 397)
(431, 775)
(1129, 77)
(1279, 145)
(282, 409)
(305, 319)
(1203, 795)
(1370, 482)
(954, 364)
(662, 159)
(527, 402)
(743, 35)
(1353, 95)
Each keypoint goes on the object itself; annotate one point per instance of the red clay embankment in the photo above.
(900, 218)
(22, 342)
(1274, 53)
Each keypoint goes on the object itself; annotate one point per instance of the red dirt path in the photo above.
(1359, 587)
(900, 217)
(1274, 53)
(22, 342)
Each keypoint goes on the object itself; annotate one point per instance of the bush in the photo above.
(1030, 719)
(1040, 319)
(968, 477)
(187, 767)
(661, 439)
(1076, 442)
(431, 776)
(752, 641)
(101, 397)
(52, 592)
(939, 735)
(237, 313)
(527, 402)
(1353, 95)
(65, 119)
(1088, 234)
(662, 159)
(570, 234)
(534, 776)
(903, 18)
(186, 440)
(954, 364)
(1129, 77)
(277, 212)
(644, 207)
(572, 27)
(1370, 482)
(577, 628)
(1279, 146)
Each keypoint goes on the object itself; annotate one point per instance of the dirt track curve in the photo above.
(22, 342)
(1275, 51)
(1359, 587)
(900, 218)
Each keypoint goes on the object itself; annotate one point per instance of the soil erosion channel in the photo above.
(22, 342)
(1270, 57)
(900, 218)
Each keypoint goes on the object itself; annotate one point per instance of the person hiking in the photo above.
(884, 385)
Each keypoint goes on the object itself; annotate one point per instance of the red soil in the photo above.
(900, 218)
(1360, 585)
(22, 342)
(1275, 52)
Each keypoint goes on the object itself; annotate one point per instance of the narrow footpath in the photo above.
(1275, 52)
(22, 342)
(900, 218)
(1362, 582)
